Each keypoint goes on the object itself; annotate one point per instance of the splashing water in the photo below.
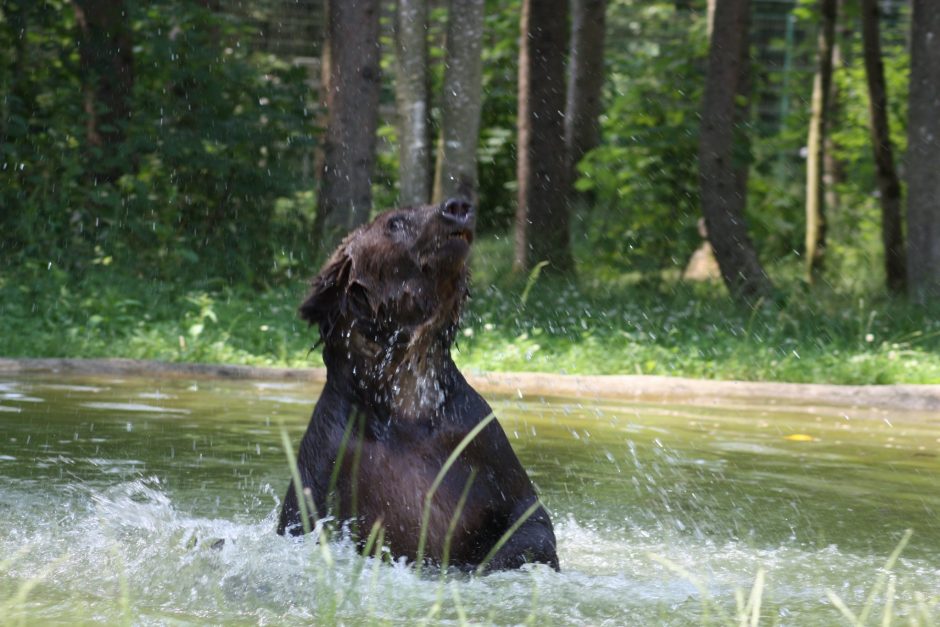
(662, 513)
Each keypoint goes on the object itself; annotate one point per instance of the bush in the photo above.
(214, 141)
(643, 177)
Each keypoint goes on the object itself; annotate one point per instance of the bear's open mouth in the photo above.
(464, 234)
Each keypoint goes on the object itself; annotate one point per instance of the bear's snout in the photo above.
(458, 212)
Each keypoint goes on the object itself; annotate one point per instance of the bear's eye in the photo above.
(396, 224)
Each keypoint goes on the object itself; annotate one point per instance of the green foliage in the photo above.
(206, 156)
(215, 202)
(677, 329)
(643, 177)
(776, 195)
(856, 226)
(110, 313)
(598, 327)
(496, 154)
(40, 130)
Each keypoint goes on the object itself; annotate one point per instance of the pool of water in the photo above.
(114, 493)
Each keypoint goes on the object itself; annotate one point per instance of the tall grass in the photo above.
(884, 577)
(748, 613)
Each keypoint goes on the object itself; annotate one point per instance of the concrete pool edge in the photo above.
(913, 397)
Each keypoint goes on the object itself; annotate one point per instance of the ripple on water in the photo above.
(90, 389)
(20, 397)
(156, 396)
(136, 407)
(287, 400)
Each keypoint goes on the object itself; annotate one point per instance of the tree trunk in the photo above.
(411, 91)
(585, 80)
(892, 235)
(923, 144)
(722, 172)
(816, 142)
(710, 17)
(833, 167)
(542, 222)
(352, 99)
(456, 171)
(106, 65)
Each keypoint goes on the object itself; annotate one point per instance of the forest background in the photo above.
(172, 172)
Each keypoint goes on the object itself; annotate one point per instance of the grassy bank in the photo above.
(606, 324)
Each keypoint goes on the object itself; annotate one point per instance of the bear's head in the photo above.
(392, 292)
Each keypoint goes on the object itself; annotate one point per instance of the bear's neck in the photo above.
(399, 381)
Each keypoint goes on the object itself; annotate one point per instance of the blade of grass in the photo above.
(862, 618)
(426, 513)
(373, 536)
(458, 605)
(379, 545)
(842, 607)
(889, 604)
(344, 442)
(530, 281)
(353, 585)
(322, 526)
(754, 602)
(698, 584)
(883, 576)
(508, 534)
(8, 562)
(354, 480)
(534, 602)
(435, 608)
(755, 309)
(295, 477)
(15, 602)
(124, 591)
(452, 527)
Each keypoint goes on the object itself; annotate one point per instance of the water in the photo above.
(114, 493)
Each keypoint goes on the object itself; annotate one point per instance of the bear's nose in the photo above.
(457, 210)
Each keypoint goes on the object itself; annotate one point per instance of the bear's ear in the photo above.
(324, 303)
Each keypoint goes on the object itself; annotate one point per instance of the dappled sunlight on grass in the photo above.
(637, 325)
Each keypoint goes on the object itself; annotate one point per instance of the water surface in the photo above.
(114, 493)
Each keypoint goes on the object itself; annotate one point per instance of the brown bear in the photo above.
(394, 407)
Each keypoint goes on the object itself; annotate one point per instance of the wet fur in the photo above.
(387, 305)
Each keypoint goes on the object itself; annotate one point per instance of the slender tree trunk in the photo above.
(585, 80)
(833, 167)
(542, 222)
(710, 17)
(352, 99)
(923, 145)
(816, 142)
(892, 235)
(106, 63)
(722, 175)
(322, 119)
(411, 91)
(461, 105)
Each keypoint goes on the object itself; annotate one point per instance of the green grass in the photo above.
(607, 323)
